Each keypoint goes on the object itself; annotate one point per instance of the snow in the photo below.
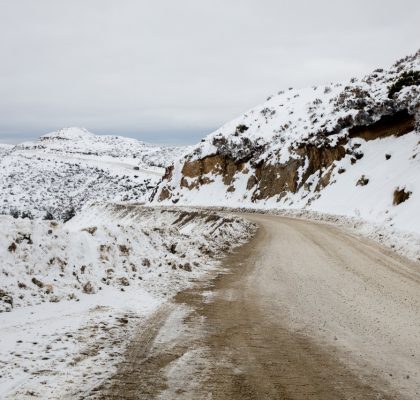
(135, 260)
(72, 133)
(60, 349)
(374, 202)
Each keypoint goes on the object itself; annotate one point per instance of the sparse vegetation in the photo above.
(12, 248)
(48, 216)
(363, 181)
(241, 128)
(91, 230)
(37, 282)
(405, 79)
(69, 214)
(88, 288)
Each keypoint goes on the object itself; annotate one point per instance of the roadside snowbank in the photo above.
(406, 244)
(76, 291)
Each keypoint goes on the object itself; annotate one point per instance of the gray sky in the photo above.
(172, 71)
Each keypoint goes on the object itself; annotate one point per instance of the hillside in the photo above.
(346, 148)
(66, 170)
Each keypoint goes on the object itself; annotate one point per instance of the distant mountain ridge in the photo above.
(64, 171)
(77, 140)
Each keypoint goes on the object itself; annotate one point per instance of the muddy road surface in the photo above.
(303, 311)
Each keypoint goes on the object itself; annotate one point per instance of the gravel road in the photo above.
(302, 311)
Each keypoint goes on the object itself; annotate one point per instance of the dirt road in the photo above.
(303, 311)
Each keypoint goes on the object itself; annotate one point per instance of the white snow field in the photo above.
(71, 294)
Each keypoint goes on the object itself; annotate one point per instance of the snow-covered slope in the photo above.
(71, 168)
(350, 149)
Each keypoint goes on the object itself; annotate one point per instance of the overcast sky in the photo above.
(172, 71)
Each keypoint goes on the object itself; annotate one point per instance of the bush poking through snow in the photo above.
(400, 195)
(88, 288)
(407, 78)
(241, 128)
(12, 247)
(48, 216)
(91, 230)
(363, 181)
(7, 299)
(69, 214)
(37, 282)
(124, 281)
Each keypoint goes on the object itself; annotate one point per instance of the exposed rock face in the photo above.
(396, 124)
(268, 179)
(274, 180)
(164, 194)
(216, 164)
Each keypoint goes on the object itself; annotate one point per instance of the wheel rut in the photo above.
(282, 320)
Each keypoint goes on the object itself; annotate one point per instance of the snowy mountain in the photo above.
(79, 142)
(347, 148)
(66, 170)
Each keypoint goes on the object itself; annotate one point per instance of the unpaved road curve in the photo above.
(303, 311)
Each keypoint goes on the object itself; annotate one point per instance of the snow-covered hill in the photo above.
(347, 148)
(80, 143)
(71, 168)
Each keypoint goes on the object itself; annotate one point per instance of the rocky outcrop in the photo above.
(216, 164)
(268, 179)
(272, 180)
(397, 124)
